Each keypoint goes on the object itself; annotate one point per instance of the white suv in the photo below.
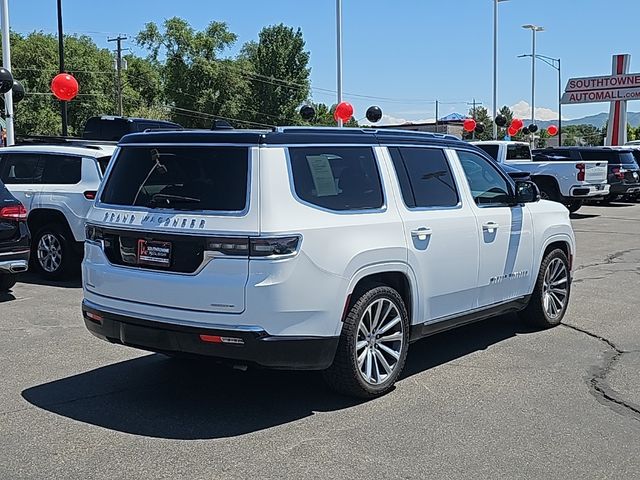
(57, 184)
(327, 249)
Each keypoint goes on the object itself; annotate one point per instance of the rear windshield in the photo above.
(490, 149)
(179, 178)
(518, 152)
(612, 156)
(4, 194)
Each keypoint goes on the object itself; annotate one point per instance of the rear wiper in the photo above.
(169, 199)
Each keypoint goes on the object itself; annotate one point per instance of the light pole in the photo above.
(63, 104)
(555, 63)
(339, 53)
(534, 29)
(6, 60)
(495, 65)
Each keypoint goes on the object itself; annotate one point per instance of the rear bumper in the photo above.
(14, 262)
(586, 191)
(252, 345)
(625, 188)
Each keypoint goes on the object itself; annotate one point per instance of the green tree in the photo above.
(198, 83)
(482, 118)
(142, 91)
(324, 117)
(278, 76)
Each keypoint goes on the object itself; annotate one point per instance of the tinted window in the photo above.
(627, 158)
(103, 162)
(425, 177)
(490, 149)
(636, 155)
(184, 178)
(600, 156)
(487, 185)
(5, 195)
(337, 178)
(20, 168)
(517, 151)
(60, 169)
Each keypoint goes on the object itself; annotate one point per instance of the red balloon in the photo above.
(517, 124)
(469, 125)
(344, 111)
(552, 130)
(512, 131)
(64, 86)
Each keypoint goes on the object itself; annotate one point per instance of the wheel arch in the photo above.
(40, 217)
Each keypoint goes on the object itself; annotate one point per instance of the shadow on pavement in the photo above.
(581, 216)
(75, 281)
(6, 297)
(159, 397)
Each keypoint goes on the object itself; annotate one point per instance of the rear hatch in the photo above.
(595, 172)
(628, 167)
(173, 223)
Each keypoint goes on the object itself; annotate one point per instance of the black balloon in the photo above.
(18, 91)
(525, 131)
(533, 128)
(6, 80)
(374, 114)
(501, 120)
(307, 112)
(479, 128)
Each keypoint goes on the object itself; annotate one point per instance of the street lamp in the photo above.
(554, 63)
(495, 65)
(534, 29)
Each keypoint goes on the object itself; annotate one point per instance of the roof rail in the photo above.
(365, 130)
(59, 140)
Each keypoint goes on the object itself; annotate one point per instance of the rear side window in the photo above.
(21, 168)
(425, 177)
(180, 178)
(61, 169)
(492, 150)
(337, 178)
(517, 151)
(103, 162)
(611, 156)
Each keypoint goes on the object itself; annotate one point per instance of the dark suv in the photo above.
(14, 239)
(623, 171)
(113, 128)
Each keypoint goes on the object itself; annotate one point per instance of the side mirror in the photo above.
(527, 192)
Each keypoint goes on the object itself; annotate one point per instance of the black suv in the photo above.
(623, 171)
(14, 239)
(112, 128)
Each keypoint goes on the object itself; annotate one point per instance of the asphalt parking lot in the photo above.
(493, 400)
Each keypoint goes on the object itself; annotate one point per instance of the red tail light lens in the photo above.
(619, 174)
(90, 194)
(581, 172)
(14, 212)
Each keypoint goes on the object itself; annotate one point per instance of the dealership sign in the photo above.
(617, 88)
(602, 89)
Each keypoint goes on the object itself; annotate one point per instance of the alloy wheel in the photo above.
(555, 288)
(49, 253)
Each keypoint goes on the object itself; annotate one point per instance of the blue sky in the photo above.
(402, 53)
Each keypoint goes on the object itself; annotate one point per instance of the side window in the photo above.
(337, 178)
(61, 169)
(425, 177)
(21, 168)
(488, 187)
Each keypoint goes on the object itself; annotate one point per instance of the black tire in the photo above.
(549, 191)
(7, 281)
(68, 262)
(574, 205)
(344, 375)
(535, 313)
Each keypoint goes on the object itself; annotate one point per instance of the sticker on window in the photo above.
(323, 180)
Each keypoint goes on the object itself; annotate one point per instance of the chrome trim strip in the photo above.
(153, 318)
(17, 252)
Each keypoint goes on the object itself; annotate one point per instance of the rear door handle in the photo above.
(490, 226)
(421, 233)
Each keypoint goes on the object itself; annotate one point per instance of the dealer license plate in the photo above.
(151, 252)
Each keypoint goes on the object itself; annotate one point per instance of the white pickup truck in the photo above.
(568, 182)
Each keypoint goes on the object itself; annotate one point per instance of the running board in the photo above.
(447, 323)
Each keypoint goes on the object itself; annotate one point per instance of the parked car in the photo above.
(306, 248)
(622, 170)
(57, 185)
(14, 239)
(635, 149)
(112, 128)
(560, 180)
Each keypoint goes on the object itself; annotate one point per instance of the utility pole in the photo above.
(63, 104)
(118, 41)
(339, 54)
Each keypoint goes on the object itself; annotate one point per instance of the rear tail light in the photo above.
(90, 194)
(259, 247)
(94, 317)
(93, 233)
(14, 212)
(581, 171)
(618, 172)
(219, 339)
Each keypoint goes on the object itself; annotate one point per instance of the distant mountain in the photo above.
(596, 120)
